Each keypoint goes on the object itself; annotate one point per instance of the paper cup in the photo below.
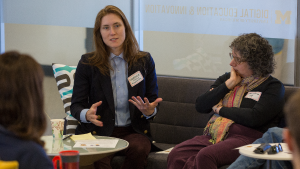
(57, 145)
(57, 128)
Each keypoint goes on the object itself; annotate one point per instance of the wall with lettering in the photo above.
(192, 38)
(271, 18)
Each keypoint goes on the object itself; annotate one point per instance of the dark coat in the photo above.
(91, 86)
(27, 153)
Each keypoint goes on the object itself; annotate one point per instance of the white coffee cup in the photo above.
(57, 128)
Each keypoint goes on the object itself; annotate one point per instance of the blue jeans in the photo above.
(273, 135)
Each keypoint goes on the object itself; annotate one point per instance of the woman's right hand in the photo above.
(234, 79)
(91, 114)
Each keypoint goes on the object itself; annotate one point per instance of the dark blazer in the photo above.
(91, 86)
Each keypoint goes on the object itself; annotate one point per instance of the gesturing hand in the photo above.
(234, 79)
(144, 106)
(91, 114)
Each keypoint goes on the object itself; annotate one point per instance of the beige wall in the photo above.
(47, 44)
(175, 54)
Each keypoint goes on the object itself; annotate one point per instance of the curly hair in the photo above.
(257, 52)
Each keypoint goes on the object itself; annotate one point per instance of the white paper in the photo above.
(167, 151)
(253, 95)
(252, 147)
(98, 143)
(136, 78)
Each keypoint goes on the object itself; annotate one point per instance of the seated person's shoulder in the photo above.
(27, 153)
(85, 57)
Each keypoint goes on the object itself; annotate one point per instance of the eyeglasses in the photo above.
(236, 59)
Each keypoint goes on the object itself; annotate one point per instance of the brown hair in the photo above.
(256, 51)
(130, 46)
(292, 113)
(22, 98)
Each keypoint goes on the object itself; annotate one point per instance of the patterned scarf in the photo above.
(218, 126)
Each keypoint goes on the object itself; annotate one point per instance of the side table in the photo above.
(285, 155)
(87, 155)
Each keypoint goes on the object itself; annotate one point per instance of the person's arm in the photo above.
(33, 156)
(213, 98)
(217, 91)
(148, 104)
(81, 89)
(80, 97)
(269, 105)
(151, 115)
(151, 80)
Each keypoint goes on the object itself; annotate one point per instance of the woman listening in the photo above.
(246, 102)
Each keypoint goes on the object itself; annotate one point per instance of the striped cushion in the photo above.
(64, 76)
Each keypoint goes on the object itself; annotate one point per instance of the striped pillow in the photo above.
(64, 76)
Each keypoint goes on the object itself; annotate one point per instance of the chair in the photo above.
(9, 164)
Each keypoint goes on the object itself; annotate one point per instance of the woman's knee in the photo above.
(273, 135)
(175, 153)
(275, 130)
(205, 154)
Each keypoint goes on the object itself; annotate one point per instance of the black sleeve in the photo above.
(269, 105)
(81, 89)
(206, 101)
(151, 80)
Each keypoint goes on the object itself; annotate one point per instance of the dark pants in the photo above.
(136, 153)
(199, 153)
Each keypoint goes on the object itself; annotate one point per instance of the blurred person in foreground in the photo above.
(22, 118)
(291, 135)
(246, 102)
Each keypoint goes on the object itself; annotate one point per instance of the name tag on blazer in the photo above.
(135, 78)
(253, 95)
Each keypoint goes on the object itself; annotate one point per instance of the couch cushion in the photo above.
(177, 119)
(183, 90)
(289, 90)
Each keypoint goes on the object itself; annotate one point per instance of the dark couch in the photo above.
(177, 119)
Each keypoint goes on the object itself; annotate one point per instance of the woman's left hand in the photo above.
(144, 106)
(217, 107)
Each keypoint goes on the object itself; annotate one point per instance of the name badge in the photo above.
(135, 78)
(253, 95)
